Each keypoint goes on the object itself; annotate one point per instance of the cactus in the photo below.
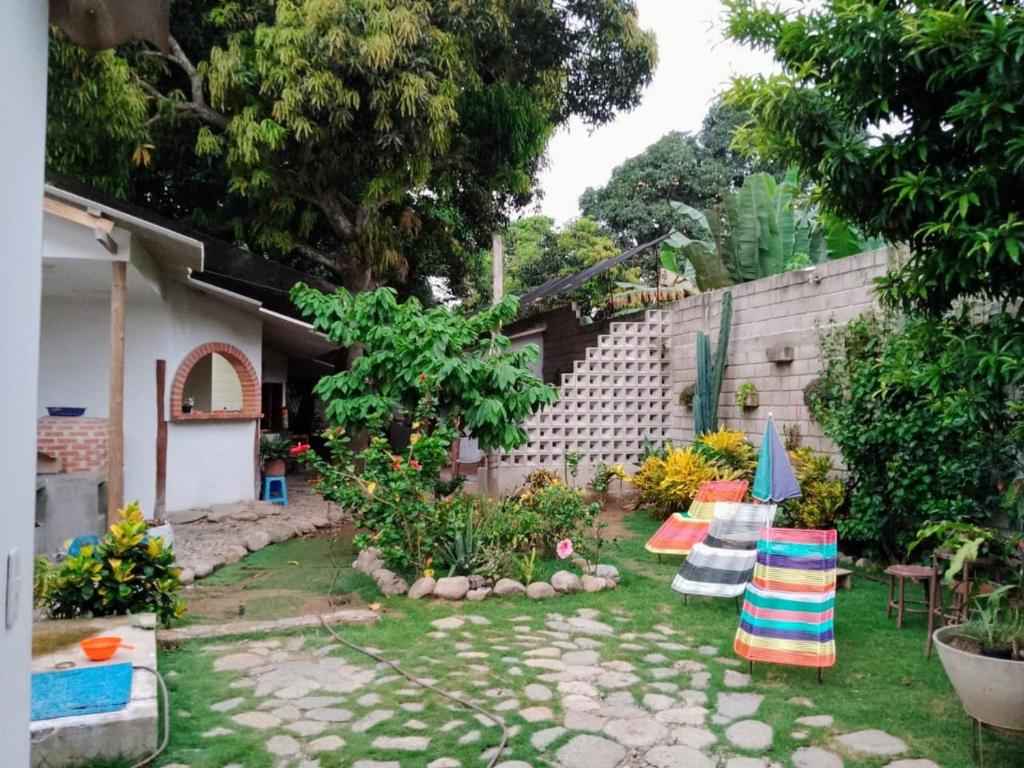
(710, 377)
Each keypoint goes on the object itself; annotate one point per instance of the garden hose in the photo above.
(166, 718)
(468, 704)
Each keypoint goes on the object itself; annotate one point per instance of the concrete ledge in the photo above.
(202, 631)
(129, 733)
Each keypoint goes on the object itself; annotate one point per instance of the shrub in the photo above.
(919, 409)
(512, 526)
(127, 572)
(562, 512)
(823, 495)
(729, 449)
(542, 478)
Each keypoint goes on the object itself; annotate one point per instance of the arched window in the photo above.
(215, 381)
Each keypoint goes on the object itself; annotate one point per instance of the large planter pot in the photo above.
(164, 532)
(275, 468)
(991, 690)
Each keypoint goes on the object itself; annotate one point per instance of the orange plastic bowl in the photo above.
(102, 648)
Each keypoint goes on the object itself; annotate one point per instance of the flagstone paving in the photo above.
(569, 686)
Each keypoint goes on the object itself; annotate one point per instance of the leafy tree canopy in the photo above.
(478, 381)
(699, 170)
(909, 117)
(344, 133)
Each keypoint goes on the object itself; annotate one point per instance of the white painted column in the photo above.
(497, 267)
(23, 46)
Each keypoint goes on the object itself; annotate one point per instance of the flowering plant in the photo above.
(564, 549)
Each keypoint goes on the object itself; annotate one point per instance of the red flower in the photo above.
(423, 377)
(415, 464)
(396, 462)
(295, 450)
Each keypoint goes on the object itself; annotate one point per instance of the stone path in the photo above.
(572, 687)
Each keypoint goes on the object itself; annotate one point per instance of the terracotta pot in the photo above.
(991, 690)
(275, 468)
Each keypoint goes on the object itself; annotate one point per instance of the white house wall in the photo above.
(208, 462)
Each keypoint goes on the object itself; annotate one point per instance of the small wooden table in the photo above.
(844, 578)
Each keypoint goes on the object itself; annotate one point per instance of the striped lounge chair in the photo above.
(787, 615)
(720, 566)
(679, 533)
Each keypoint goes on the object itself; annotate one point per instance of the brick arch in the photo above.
(243, 368)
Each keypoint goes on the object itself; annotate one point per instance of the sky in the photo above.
(694, 64)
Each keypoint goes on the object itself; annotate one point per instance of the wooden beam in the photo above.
(77, 215)
(115, 417)
(161, 442)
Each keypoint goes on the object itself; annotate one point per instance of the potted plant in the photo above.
(746, 395)
(687, 394)
(274, 449)
(984, 658)
(187, 405)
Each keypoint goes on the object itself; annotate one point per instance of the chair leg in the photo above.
(899, 607)
(888, 604)
(934, 604)
(736, 600)
(821, 676)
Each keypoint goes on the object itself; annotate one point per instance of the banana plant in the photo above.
(756, 232)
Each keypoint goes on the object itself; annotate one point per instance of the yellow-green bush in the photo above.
(669, 484)
(823, 495)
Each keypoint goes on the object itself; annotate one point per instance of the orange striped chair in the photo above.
(788, 609)
(679, 533)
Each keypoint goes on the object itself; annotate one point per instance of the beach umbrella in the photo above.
(774, 479)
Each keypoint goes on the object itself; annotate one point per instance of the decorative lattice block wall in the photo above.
(615, 397)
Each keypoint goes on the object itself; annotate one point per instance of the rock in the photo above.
(734, 679)
(564, 581)
(218, 513)
(536, 714)
(451, 588)
(677, 756)
(695, 737)
(537, 692)
(330, 715)
(469, 737)
(592, 583)
(258, 720)
(370, 719)
(748, 762)
(236, 661)
(750, 734)
(872, 742)
(608, 572)
(477, 581)
(201, 568)
(862, 562)
(402, 743)
(912, 764)
(326, 744)
(319, 521)
(215, 732)
(541, 740)
(283, 747)
(478, 595)
(734, 705)
(816, 757)
(306, 728)
(423, 587)
(376, 764)
(845, 559)
(636, 731)
(444, 762)
(816, 721)
(232, 553)
(586, 751)
(506, 587)
(801, 701)
(581, 658)
(186, 577)
(389, 582)
(227, 705)
(365, 558)
(540, 590)
(256, 540)
(185, 516)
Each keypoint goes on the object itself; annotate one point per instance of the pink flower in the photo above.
(563, 549)
(415, 464)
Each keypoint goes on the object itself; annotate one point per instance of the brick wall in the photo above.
(787, 310)
(566, 339)
(80, 443)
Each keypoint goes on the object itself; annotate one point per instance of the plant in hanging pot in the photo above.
(274, 449)
(187, 405)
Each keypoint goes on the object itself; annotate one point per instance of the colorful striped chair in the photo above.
(720, 566)
(787, 615)
(679, 533)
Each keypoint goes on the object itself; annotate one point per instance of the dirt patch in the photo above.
(220, 603)
(612, 514)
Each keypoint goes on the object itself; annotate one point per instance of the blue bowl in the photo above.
(54, 410)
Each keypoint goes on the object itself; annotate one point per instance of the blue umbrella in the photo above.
(774, 479)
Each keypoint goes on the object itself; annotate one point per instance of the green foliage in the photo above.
(527, 567)
(602, 479)
(312, 128)
(823, 495)
(541, 478)
(127, 572)
(275, 446)
(907, 117)
(709, 378)
(757, 232)
(43, 574)
(562, 512)
(924, 434)
(571, 466)
(746, 391)
(461, 553)
(478, 382)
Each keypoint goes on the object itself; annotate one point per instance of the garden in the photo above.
(544, 625)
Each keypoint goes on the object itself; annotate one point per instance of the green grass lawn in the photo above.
(881, 679)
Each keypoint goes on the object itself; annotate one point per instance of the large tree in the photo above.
(345, 133)
(636, 203)
(909, 117)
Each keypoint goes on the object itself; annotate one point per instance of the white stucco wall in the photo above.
(207, 462)
(23, 46)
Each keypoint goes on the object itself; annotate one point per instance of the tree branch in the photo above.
(322, 258)
(198, 104)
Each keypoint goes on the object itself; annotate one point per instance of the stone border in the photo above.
(595, 579)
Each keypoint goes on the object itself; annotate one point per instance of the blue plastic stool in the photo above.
(275, 489)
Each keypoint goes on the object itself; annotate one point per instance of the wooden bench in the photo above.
(844, 578)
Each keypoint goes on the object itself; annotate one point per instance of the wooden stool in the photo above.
(844, 578)
(918, 573)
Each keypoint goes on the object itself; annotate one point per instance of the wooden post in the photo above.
(115, 417)
(497, 267)
(161, 442)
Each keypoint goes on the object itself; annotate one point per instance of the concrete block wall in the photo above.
(787, 310)
(617, 395)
